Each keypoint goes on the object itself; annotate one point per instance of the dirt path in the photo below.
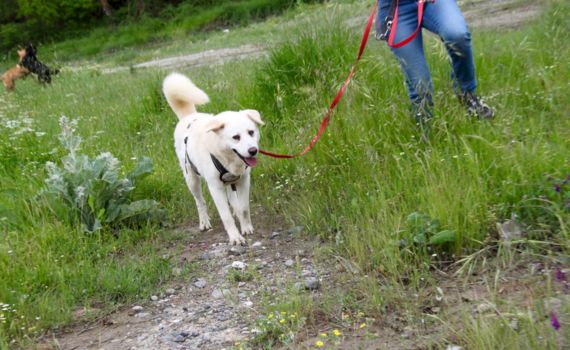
(213, 309)
(480, 14)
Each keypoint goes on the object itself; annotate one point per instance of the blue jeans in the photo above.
(445, 20)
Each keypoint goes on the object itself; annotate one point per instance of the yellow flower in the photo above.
(270, 316)
(283, 312)
(323, 335)
(281, 321)
(337, 333)
(319, 344)
(362, 325)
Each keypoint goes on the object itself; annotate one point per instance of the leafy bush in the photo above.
(91, 189)
(426, 233)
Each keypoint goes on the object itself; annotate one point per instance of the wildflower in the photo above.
(282, 321)
(270, 316)
(362, 325)
(323, 335)
(554, 321)
(319, 344)
(336, 333)
(561, 277)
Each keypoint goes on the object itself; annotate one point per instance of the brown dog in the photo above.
(9, 78)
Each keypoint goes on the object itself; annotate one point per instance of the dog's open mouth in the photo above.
(249, 161)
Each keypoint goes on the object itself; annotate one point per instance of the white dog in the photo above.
(220, 148)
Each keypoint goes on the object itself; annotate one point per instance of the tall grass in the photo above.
(372, 170)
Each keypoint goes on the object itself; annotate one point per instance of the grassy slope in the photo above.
(367, 174)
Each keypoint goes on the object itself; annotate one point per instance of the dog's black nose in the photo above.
(252, 151)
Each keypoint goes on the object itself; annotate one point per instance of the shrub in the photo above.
(426, 233)
(92, 191)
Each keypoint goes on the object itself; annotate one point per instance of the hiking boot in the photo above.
(475, 106)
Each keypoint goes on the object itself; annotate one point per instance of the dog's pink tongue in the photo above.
(251, 161)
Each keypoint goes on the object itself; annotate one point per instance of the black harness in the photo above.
(226, 177)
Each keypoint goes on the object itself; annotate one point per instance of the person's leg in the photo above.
(445, 19)
(411, 58)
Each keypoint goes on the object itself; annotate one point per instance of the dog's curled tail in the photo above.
(182, 95)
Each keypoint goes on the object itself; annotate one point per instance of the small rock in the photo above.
(485, 308)
(170, 291)
(289, 263)
(274, 235)
(256, 244)
(153, 298)
(137, 308)
(206, 256)
(312, 283)
(510, 229)
(177, 337)
(217, 294)
(176, 271)
(241, 284)
(237, 250)
(247, 303)
(142, 314)
(407, 332)
(295, 230)
(239, 265)
(453, 347)
(200, 283)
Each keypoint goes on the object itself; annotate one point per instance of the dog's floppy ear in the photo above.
(254, 115)
(215, 125)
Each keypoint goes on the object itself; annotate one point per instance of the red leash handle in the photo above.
(337, 98)
(421, 4)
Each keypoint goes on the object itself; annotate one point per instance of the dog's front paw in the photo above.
(205, 224)
(237, 239)
(247, 230)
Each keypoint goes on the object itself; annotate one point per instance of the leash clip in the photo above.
(385, 29)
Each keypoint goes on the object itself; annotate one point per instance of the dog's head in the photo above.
(239, 133)
(31, 51)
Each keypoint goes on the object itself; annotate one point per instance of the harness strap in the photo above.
(225, 176)
(188, 160)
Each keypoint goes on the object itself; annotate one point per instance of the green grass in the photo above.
(355, 189)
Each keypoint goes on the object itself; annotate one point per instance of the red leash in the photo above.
(338, 96)
(421, 4)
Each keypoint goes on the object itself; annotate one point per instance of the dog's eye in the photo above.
(250, 133)
(236, 137)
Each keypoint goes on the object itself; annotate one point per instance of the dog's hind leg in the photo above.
(239, 200)
(193, 181)
(218, 192)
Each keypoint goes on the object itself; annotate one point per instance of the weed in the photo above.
(91, 188)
